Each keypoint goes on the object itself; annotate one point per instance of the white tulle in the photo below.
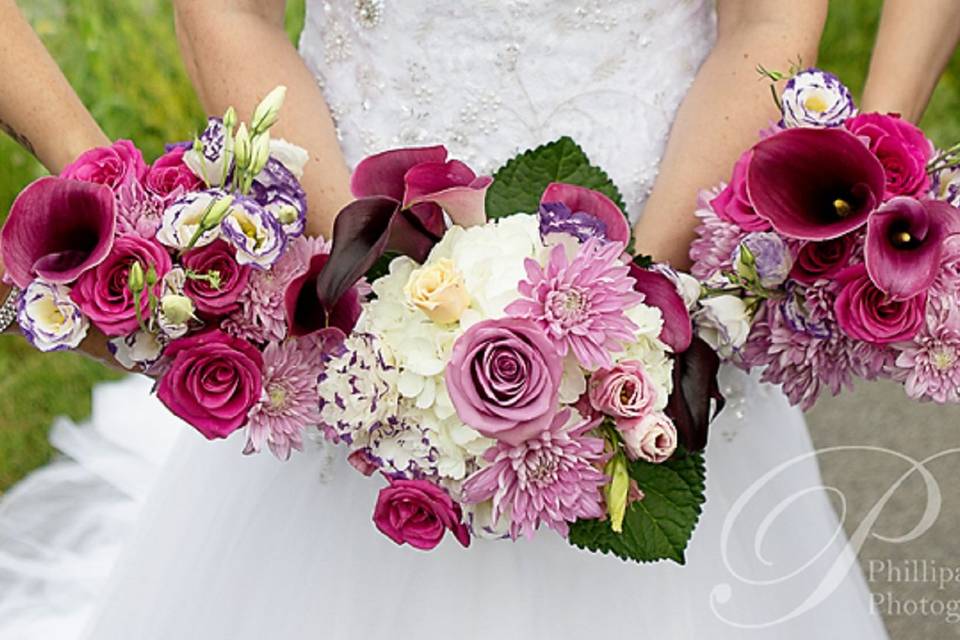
(228, 547)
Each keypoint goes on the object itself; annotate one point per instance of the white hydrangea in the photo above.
(648, 349)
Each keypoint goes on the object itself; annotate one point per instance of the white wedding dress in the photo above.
(228, 547)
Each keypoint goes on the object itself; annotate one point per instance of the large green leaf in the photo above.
(518, 185)
(658, 527)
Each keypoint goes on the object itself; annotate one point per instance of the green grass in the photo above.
(122, 58)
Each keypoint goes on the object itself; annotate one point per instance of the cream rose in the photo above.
(438, 290)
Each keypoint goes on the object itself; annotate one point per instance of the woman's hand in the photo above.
(721, 115)
(236, 51)
(914, 43)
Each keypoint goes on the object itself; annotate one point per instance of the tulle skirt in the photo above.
(242, 548)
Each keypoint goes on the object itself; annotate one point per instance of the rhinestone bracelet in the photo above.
(8, 312)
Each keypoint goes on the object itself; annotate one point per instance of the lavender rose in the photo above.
(624, 391)
(212, 382)
(221, 280)
(504, 379)
(866, 313)
(418, 513)
(112, 166)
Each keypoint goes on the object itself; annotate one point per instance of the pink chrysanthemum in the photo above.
(581, 304)
(929, 365)
(288, 403)
(551, 479)
(712, 251)
(260, 317)
(139, 211)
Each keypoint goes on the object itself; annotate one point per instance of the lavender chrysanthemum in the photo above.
(929, 365)
(717, 240)
(551, 478)
(288, 403)
(581, 303)
(139, 211)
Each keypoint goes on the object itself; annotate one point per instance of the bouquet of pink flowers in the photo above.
(518, 368)
(192, 267)
(833, 251)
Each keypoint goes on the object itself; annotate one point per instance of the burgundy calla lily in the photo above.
(307, 314)
(580, 199)
(814, 184)
(58, 229)
(660, 292)
(904, 245)
(696, 398)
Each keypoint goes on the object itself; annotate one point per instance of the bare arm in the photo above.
(236, 51)
(40, 110)
(914, 43)
(721, 115)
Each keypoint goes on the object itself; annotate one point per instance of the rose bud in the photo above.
(652, 439)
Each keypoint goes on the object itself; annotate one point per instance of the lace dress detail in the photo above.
(608, 73)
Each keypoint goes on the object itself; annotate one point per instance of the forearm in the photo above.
(719, 119)
(38, 108)
(914, 43)
(236, 52)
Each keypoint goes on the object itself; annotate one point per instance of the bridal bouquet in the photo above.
(516, 369)
(833, 251)
(185, 264)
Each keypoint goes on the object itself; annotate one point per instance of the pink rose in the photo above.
(733, 203)
(653, 438)
(625, 391)
(102, 293)
(112, 166)
(866, 313)
(504, 379)
(212, 382)
(169, 175)
(902, 148)
(418, 513)
(819, 260)
(217, 260)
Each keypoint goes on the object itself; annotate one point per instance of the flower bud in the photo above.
(242, 148)
(617, 491)
(230, 119)
(176, 309)
(136, 278)
(268, 111)
(216, 213)
(261, 153)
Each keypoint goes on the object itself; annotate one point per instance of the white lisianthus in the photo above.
(182, 219)
(291, 156)
(724, 323)
(139, 349)
(480, 518)
(49, 319)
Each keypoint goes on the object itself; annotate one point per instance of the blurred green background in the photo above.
(122, 58)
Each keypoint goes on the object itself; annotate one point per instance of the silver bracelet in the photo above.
(9, 311)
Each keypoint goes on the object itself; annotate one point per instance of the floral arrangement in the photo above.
(517, 369)
(191, 266)
(833, 251)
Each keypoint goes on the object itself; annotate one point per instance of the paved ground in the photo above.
(880, 415)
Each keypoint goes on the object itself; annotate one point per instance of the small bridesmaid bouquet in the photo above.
(833, 252)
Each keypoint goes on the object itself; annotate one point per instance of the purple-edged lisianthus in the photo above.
(763, 257)
(866, 313)
(305, 314)
(418, 513)
(814, 184)
(589, 207)
(733, 202)
(504, 379)
(905, 244)
(280, 193)
(257, 235)
(49, 319)
(902, 148)
(816, 98)
(824, 259)
(58, 229)
(111, 166)
(212, 382)
(220, 279)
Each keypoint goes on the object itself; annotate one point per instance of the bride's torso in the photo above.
(494, 77)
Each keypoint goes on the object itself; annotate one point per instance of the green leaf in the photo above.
(658, 527)
(518, 185)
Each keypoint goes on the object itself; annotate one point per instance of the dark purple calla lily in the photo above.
(696, 396)
(580, 199)
(307, 314)
(814, 184)
(904, 245)
(58, 229)
(660, 292)
(453, 186)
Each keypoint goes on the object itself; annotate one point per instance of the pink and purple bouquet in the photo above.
(191, 266)
(517, 368)
(833, 252)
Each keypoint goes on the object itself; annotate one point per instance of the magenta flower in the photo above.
(661, 292)
(814, 184)
(580, 200)
(733, 203)
(306, 314)
(824, 259)
(112, 166)
(169, 177)
(904, 245)
(418, 513)
(219, 296)
(866, 313)
(902, 148)
(581, 304)
(288, 403)
(58, 229)
(504, 379)
(551, 479)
